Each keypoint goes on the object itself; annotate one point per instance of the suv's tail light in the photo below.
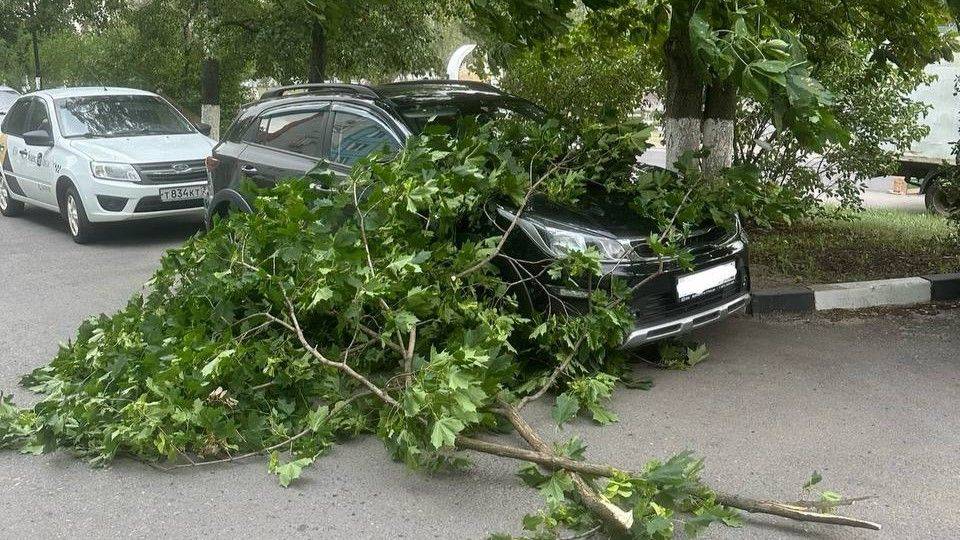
(212, 163)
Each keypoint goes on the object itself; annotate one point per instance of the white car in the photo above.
(99, 155)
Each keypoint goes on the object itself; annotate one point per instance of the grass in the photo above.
(874, 244)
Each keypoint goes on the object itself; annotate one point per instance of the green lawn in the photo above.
(875, 244)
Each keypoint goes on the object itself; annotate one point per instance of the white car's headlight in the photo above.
(123, 172)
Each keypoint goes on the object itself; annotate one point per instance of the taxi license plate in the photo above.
(707, 281)
(183, 193)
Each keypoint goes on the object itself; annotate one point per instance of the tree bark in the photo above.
(317, 65)
(683, 106)
(719, 115)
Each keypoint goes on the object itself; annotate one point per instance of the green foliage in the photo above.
(369, 308)
(105, 43)
(588, 73)
(870, 102)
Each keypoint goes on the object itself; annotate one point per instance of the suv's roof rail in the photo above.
(478, 85)
(322, 88)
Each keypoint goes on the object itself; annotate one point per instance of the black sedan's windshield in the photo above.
(119, 116)
(449, 113)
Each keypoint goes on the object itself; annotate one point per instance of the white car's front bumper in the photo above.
(102, 201)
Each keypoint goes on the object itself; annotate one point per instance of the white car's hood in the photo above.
(146, 149)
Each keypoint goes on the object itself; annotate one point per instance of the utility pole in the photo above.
(37, 78)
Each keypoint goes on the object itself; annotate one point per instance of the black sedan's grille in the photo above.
(172, 172)
(665, 306)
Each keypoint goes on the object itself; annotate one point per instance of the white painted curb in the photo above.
(866, 294)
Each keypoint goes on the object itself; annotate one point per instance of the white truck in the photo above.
(929, 160)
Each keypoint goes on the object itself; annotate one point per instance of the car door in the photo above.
(14, 151)
(37, 166)
(285, 142)
(355, 133)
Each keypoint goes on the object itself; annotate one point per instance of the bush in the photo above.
(871, 102)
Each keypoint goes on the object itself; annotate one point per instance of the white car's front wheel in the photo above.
(79, 227)
(8, 206)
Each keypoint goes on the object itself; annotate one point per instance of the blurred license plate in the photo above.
(707, 281)
(183, 193)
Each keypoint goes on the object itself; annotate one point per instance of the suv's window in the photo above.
(449, 113)
(300, 132)
(38, 118)
(354, 137)
(16, 117)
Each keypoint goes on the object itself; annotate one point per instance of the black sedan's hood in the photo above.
(597, 212)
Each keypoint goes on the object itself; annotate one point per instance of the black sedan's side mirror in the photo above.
(40, 137)
(205, 129)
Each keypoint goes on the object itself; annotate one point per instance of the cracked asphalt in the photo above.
(871, 400)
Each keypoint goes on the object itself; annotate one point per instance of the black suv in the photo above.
(292, 130)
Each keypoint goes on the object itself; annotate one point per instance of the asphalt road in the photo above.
(872, 402)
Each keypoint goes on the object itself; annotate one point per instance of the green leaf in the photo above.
(830, 497)
(815, 479)
(771, 66)
(445, 432)
(458, 380)
(316, 418)
(697, 355)
(531, 476)
(554, 489)
(287, 472)
(602, 415)
(565, 409)
(212, 365)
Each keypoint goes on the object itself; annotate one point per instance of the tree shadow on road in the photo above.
(131, 233)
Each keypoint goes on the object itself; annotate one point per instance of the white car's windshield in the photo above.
(119, 116)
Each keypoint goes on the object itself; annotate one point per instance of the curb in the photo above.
(858, 295)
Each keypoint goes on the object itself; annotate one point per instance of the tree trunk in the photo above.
(317, 68)
(683, 106)
(719, 114)
(210, 95)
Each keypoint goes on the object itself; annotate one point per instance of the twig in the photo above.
(516, 217)
(408, 356)
(342, 366)
(336, 408)
(552, 380)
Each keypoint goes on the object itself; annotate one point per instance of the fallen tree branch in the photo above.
(615, 518)
(595, 469)
(544, 456)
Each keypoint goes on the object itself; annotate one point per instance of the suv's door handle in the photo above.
(249, 169)
(24, 153)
